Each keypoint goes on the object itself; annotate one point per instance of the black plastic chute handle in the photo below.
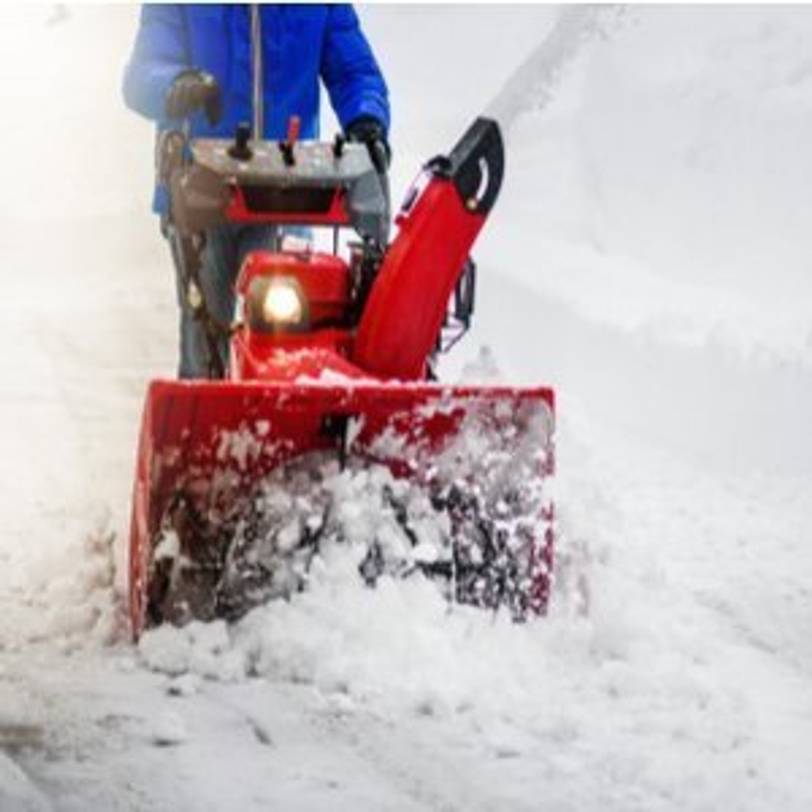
(476, 165)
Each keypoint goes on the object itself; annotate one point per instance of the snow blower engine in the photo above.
(331, 363)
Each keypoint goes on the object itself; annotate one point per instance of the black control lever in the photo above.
(240, 149)
(286, 148)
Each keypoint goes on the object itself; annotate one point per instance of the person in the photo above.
(216, 66)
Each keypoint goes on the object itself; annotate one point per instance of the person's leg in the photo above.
(218, 269)
(220, 263)
(256, 238)
(187, 363)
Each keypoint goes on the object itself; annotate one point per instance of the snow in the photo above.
(648, 257)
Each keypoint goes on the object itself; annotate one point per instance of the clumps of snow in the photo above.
(168, 546)
(199, 648)
(403, 645)
(243, 445)
(326, 377)
(168, 729)
(187, 684)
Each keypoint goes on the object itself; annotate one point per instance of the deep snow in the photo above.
(649, 257)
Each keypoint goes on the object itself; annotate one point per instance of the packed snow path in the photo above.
(674, 672)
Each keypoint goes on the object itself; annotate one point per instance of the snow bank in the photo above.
(666, 178)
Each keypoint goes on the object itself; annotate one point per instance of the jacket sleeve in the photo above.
(353, 79)
(158, 56)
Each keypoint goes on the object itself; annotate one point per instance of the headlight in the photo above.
(282, 303)
(276, 304)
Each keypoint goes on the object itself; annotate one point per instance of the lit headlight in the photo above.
(282, 303)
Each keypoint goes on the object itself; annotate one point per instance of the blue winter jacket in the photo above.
(300, 43)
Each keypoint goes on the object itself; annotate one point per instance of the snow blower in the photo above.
(331, 357)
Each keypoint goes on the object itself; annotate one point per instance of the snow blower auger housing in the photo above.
(330, 359)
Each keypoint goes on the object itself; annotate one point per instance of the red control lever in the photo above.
(294, 127)
(286, 146)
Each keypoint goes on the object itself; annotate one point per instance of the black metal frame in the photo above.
(460, 313)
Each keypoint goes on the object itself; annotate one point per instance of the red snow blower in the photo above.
(331, 357)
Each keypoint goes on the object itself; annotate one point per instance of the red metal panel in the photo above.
(336, 215)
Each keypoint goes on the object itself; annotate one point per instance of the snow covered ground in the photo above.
(649, 257)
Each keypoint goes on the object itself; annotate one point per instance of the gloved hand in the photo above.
(368, 130)
(194, 90)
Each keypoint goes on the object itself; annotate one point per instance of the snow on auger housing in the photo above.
(330, 361)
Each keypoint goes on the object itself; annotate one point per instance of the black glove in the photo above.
(368, 130)
(194, 90)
